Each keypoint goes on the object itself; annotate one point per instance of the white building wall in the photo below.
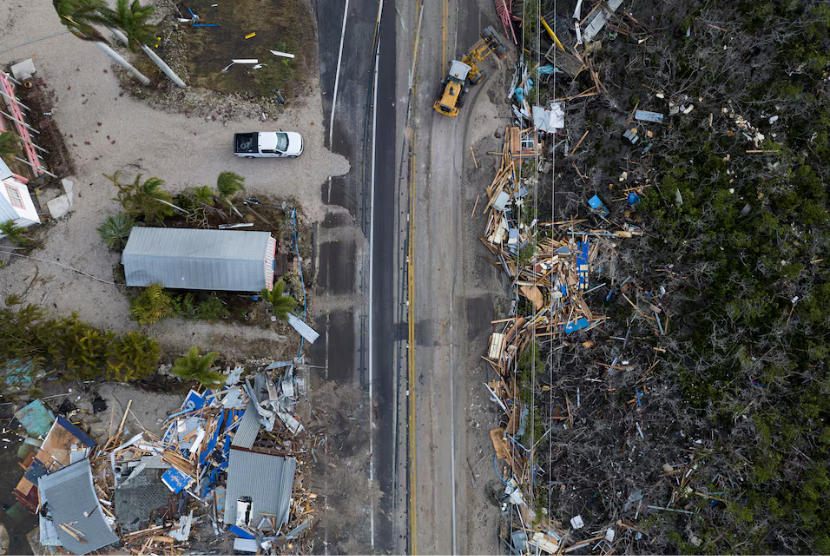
(16, 203)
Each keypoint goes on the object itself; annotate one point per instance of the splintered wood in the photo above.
(549, 266)
(195, 451)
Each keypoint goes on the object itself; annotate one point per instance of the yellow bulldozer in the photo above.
(453, 87)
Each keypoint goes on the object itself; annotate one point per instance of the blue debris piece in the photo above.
(20, 375)
(520, 94)
(646, 116)
(579, 324)
(582, 265)
(193, 401)
(241, 533)
(596, 205)
(36, 471)
(176, 480)
(212, 444)
(633, 199)
(35, 418)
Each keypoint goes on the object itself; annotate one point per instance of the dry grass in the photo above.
(286, 26)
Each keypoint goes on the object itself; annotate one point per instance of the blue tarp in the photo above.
(579, 324)
(597, 206)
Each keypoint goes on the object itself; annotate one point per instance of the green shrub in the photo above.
(75, 348)
(152, 305)
(115, 230)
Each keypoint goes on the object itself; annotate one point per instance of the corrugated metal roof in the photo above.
(248, 428)
(221, 260)
(303, 329)
(268, 481)
(69, 493)
(245, 545)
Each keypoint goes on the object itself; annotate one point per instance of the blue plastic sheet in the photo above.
(577, 325)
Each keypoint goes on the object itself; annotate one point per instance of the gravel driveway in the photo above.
(123, 133)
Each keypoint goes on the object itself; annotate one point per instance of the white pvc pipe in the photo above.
(163, 66)
(153, 56)
(122, 62)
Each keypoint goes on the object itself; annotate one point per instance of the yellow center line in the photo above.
(410, 279)
(444, 35)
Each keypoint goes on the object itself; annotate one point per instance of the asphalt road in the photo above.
(391, 135)
(357, 242)
(443, 290)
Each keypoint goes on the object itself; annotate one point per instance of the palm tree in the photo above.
(132, 20)
(203, 195)
(193, 367)
(115, 230)
(228, 185)
(80, 18)
(145, 199)
(8, 146)
(281, 304)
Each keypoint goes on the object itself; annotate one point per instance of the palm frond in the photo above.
(229, 184)
(81, 16)
(194, 367)
(281, 304)
(132, 20)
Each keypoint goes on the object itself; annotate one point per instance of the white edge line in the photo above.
(371, 265)
(337, 73)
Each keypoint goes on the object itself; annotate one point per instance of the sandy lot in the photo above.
(105, 132)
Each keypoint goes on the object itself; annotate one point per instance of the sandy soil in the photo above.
(105, 132)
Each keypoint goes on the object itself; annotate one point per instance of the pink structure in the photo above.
(7, 87)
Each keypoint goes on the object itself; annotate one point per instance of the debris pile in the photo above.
(231, 457)
(550, 266)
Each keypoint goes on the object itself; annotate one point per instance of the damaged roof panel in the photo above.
(69, 494)
(268, 480)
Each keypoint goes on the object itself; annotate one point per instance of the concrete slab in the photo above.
(23, 70)
(59, 206)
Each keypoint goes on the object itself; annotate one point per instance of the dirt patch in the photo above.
(41, 99)
(339, 473)
(286, 26)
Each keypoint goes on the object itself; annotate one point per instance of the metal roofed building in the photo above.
(221, 260)
(67, 494)
(267, 480)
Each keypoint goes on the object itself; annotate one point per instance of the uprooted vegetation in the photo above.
(709, 432)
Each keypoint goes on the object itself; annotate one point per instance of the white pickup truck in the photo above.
(271, 144)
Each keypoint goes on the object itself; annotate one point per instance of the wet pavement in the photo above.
(342, 287)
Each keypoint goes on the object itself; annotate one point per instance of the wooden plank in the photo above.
(497, 437)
